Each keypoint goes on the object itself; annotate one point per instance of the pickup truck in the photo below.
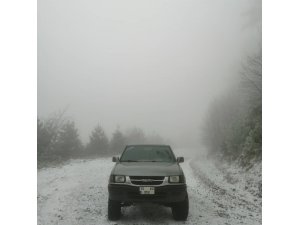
(147, 173)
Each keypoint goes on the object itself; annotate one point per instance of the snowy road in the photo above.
(77, 194)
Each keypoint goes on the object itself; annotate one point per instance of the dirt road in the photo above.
(76, 193)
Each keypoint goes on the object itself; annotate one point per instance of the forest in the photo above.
(232, 130)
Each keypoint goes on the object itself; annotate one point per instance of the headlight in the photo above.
(174, 179)
(119, 179)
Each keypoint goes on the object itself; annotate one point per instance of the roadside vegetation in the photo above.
(232, 130)
(58, 141)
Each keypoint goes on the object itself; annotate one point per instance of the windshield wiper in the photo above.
(129, 160)
(150, 161)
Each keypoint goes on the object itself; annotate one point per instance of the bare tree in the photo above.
(251, 79)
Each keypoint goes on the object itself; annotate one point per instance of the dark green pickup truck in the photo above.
(148, 173)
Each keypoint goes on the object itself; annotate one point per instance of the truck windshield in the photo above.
(148, 154)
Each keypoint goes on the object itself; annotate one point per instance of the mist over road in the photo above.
(77, 193)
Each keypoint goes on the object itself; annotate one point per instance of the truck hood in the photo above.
(147, 169)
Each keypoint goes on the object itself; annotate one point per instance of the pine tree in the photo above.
(135, 136)
(117, 143)
(99, 143)
(68, 144)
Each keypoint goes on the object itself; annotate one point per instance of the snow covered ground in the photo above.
(76, 193)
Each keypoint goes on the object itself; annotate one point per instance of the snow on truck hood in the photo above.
(147, 169)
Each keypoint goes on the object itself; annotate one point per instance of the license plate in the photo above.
(147, 190)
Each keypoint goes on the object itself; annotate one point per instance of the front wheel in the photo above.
(180, 210)
(114, 210)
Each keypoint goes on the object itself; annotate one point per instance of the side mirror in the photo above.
(115, 159)
(180, 159)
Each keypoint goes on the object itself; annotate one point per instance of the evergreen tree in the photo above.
(98, 144)
(68, 144)
(135, 136)
(117, 143)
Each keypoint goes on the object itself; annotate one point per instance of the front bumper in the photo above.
(163, 194)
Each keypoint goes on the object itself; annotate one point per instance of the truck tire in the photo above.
(180, 210)
(114, 210)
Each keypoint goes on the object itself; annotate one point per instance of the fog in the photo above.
(156, 65)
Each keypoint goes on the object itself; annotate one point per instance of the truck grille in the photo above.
(147, 180)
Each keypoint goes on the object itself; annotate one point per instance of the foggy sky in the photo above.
(152, 64)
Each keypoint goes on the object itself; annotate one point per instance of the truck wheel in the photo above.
(180, 210)
(114, 210)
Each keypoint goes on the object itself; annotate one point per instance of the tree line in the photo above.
(58, 140)
(233, 126)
